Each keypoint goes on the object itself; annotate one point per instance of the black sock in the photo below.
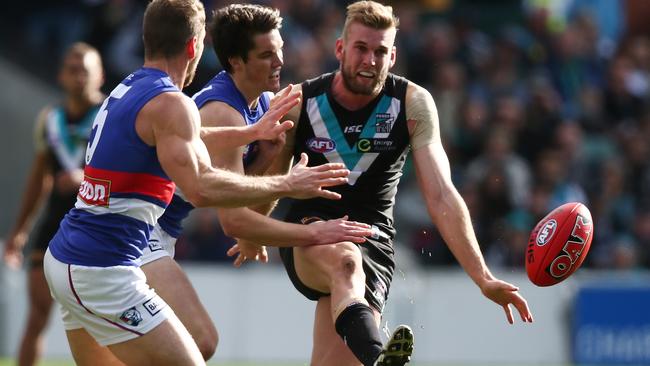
(356, 325)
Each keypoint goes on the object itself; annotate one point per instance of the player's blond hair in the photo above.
(370, 13)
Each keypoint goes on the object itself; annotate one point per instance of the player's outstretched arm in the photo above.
(229, 131)
(281, 234)
(446, 206)
(254, 227)
(170, 121)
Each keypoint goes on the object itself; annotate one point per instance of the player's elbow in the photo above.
(233, 225)
(440, 198)
(197, 197)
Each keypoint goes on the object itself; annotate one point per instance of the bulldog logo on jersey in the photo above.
(131, 317)
(383, 125)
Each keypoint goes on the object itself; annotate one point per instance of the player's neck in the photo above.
(249, 90)
(174, 67)
(347, 99)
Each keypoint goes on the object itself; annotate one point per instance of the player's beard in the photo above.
(350, 81)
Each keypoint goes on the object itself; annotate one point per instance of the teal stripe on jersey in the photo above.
(325, 124)
(327, 117)
(62, 128)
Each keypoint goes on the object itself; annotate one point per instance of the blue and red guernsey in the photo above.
(220, 88)
(124, 190)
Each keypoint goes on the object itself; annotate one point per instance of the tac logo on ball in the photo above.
(546, 233)
(562, 264)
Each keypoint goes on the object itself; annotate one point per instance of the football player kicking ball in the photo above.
(367, 118)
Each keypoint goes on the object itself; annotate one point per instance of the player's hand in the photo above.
(505, 294)
(68, 181)
(247, 250)
(269, 126)
(335, 231)
(308, 182)
(13, 251)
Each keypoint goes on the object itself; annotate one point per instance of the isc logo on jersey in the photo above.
(95, 191)
(321, 145)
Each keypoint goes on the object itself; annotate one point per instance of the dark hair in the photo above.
(233, 27)
(169, 24)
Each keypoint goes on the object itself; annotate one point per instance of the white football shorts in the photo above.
(160, 245)
(113, 304)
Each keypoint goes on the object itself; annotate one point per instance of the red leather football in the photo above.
(558, 244)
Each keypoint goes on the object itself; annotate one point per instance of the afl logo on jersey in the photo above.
(321, 145)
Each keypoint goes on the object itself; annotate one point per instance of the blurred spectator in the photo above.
(552, 170)
(498, 152)
(448, 92)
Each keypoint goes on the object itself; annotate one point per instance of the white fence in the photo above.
(261, 318)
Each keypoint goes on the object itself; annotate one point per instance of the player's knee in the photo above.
(349, 262)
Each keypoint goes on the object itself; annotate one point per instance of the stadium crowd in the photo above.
(540, 103)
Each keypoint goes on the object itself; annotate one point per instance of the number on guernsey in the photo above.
(100, 119)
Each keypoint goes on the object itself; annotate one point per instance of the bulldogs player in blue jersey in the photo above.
(61, 138)
(368, 119)
(145, 140)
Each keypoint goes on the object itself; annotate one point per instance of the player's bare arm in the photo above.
(230, 130)
(175, 133)
(255, 227)
(38, 185)
(445, 205)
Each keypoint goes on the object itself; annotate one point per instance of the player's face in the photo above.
(365, 55)
(191, 71)
(81, 74)
(265, 61)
